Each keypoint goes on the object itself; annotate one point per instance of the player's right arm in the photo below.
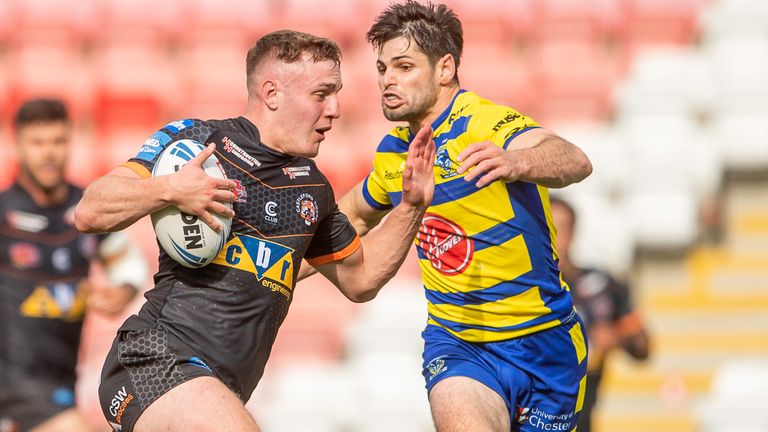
(122, 197)
(362, 216)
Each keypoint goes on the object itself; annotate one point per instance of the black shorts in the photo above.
(30, 402)
(142, 366)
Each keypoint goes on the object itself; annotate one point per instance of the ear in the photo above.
(446, 69)
(269, 93)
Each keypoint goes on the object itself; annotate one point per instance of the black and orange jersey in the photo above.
(44, 262)
(230, 311)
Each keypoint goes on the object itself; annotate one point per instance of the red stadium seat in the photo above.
(80, 18)
(577, 19)
(51, 70)
(575, 80)
(653, 22)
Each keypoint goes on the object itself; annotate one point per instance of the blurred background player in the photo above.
(497, 312)
(604, 304)
(44, 277)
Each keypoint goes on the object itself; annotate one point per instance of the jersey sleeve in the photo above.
(335, 239)
(500, 124)
(149, 152)
(374, 190)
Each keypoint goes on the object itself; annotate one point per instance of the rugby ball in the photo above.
(184, 237)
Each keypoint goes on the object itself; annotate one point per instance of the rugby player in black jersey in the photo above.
(44, 288)
(193, 355)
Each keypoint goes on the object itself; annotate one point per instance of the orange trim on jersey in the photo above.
(138, 168)
(347, 251)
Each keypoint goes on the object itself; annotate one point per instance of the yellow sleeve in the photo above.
(500, 124)
(374, 191)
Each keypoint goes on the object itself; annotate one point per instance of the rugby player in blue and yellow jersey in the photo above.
(504, 349)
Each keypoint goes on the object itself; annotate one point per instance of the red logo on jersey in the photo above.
(445, 244)
(24, 255)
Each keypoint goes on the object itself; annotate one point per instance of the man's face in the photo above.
(409, 87)
(564, 224)
(42, 150)
(310, 103)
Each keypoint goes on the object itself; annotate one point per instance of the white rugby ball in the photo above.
(184, 237)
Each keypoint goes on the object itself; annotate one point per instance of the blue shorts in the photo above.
(541, 376)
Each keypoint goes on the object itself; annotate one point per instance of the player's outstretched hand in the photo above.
(195, 192)
(487, 162)
(418, 177)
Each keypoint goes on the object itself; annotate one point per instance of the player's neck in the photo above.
(444, 100)
(41, 196)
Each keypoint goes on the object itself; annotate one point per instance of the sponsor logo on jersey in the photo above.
(293, 172)
(61, 259)
(232, 148)
(29, 222)
(306, 206)
(393, 175)
(545, 421)
(117, 406)
(153, 146)
(443, 160)
(436, 366)
(198, 362)
(270, 262)
(179, 125)
(61, 300)
(509, 118)
(521, 415)
(240, 191)
(88, 246)
(445, 244)
(270, 208)
(24, 255)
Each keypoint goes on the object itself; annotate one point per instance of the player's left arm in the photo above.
(537, 155)
(361, 275)
(126, 273)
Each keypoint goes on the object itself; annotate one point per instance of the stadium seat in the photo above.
(670, 80)
(81, 19)
(604, 237)
(654, 22)
(574, 80)
(726, 19)
(166, 20)
(131, 62)
(308, 396)
(213, 80)
(248, 18)
(389, 393)
(738, 388)
(661, 145)
(742, 138)
(32, 75)
(591, 20)
(662, 210)
(392, 323)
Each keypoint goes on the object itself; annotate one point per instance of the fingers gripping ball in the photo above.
(185, 237)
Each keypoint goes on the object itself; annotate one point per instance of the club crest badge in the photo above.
(306, 206)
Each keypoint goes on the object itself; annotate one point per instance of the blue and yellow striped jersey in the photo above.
(487, 255)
